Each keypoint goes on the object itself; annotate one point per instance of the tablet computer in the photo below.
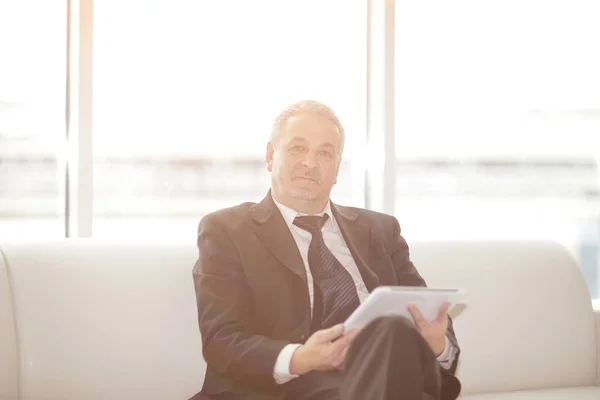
(394, 300)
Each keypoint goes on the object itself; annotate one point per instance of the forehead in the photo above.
(312, 128)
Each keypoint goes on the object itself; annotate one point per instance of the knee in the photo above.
(395, 324)
(391, 327)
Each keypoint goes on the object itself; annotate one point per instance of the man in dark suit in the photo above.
(275, 280)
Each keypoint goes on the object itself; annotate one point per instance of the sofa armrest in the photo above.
(597, 314)
(9, 362)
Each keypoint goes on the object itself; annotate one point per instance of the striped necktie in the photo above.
(337, 288)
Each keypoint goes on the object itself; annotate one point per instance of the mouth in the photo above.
(306, 178)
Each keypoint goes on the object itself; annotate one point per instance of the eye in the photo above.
(325, 153)
(296, 149)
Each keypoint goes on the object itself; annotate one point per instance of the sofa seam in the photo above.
(14, 318)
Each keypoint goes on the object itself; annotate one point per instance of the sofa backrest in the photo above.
(102, 321)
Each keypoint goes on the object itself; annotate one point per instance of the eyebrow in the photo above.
(301, 139)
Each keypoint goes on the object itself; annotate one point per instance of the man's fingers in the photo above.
(344, 352)
(339, 348)
(329, 334)
(443, 311)
(418, 317)
(343, 342)
(340, 344)
(340, 361)
(416, 314)
(354, 333)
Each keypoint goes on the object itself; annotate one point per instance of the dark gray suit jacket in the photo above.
(252, 293)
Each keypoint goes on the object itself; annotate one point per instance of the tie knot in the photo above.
(311, 223)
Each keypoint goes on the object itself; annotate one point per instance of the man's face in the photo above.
(305, 160)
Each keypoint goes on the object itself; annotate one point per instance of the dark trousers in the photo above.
(388, 360)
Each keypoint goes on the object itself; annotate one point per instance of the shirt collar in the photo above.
(289, 215)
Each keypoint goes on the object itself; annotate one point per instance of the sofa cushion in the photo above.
(576, 393)
(8, 344)
(102, 321)
(528, 321)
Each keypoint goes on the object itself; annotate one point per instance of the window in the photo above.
(497, 122)
(185, 93)
(32, 118)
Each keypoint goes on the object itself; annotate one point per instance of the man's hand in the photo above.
(324, 350)
(434, 332)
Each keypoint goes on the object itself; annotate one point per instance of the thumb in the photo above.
(330, 334)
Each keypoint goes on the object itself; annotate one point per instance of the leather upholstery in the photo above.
(103, 320)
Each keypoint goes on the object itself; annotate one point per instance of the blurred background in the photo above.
(134, 118)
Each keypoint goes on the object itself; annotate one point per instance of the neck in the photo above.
(301, 205)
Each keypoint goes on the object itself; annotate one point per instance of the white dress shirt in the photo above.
(335, 243)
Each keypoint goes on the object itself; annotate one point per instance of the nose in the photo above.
(310, 160)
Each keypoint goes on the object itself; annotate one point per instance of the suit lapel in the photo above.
(357, 235)
(275, 234)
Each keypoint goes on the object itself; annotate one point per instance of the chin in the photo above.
(305, 196)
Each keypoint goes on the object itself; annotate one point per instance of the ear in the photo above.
(337, 171)
(269, 157)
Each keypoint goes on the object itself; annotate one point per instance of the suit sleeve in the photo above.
(407, 275)
(230, 343)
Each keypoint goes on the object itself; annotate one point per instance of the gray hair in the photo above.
(309, 107)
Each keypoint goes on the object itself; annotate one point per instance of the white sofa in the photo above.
(83, 319)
